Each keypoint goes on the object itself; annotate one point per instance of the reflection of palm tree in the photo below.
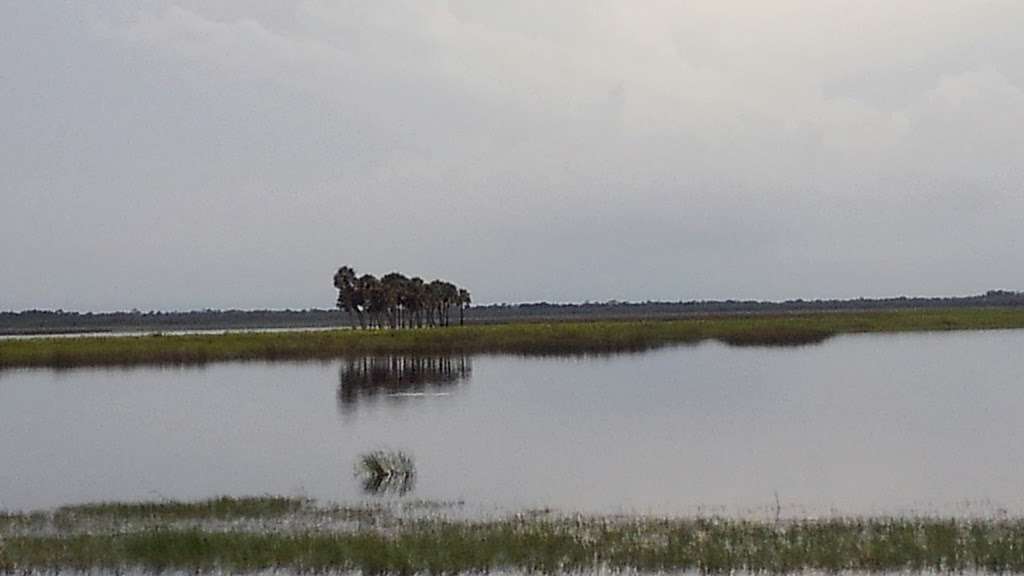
(373, 376)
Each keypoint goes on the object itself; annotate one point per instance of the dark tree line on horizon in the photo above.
(35, 321)
(396, 301)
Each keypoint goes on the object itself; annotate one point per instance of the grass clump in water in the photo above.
(386, 471)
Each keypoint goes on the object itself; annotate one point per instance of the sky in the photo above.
(194, 154)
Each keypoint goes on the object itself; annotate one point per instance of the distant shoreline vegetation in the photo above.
(70, 322)
(527, 338)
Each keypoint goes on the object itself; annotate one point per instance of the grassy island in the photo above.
(519, 338)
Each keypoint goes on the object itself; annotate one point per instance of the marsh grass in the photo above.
(218, 508)
(218, 514)
(523, 338)
(386, 472)
(550, 545)
(11, 521)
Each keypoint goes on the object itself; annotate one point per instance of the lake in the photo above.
(927, 423)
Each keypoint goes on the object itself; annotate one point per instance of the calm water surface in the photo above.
(867, 424)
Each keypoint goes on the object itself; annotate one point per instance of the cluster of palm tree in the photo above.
(395, 301)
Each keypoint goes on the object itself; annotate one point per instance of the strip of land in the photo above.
(257, 534)
(41, 322)
(522, 338)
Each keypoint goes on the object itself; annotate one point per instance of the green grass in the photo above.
(546, 544)
(385, 471)
(119, 515)
(523, 338)
(223, 508)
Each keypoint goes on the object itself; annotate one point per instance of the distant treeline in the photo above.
(58, 321)
(616, 309)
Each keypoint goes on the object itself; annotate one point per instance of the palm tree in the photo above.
(436, 299)
(393, 285)
(344, 281)
(369, 298)
(396, 301)
(464, 302)
(451, 298)
(414, 299)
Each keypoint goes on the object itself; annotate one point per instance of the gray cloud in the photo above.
(183, 155)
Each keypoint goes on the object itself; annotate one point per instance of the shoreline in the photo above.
(556, 338)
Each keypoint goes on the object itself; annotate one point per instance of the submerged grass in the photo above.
(522, 338)
(545, 544)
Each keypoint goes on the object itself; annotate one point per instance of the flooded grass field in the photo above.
(250, 535)
(858, 425)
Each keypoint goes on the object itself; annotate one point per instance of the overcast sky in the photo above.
(193, 154)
